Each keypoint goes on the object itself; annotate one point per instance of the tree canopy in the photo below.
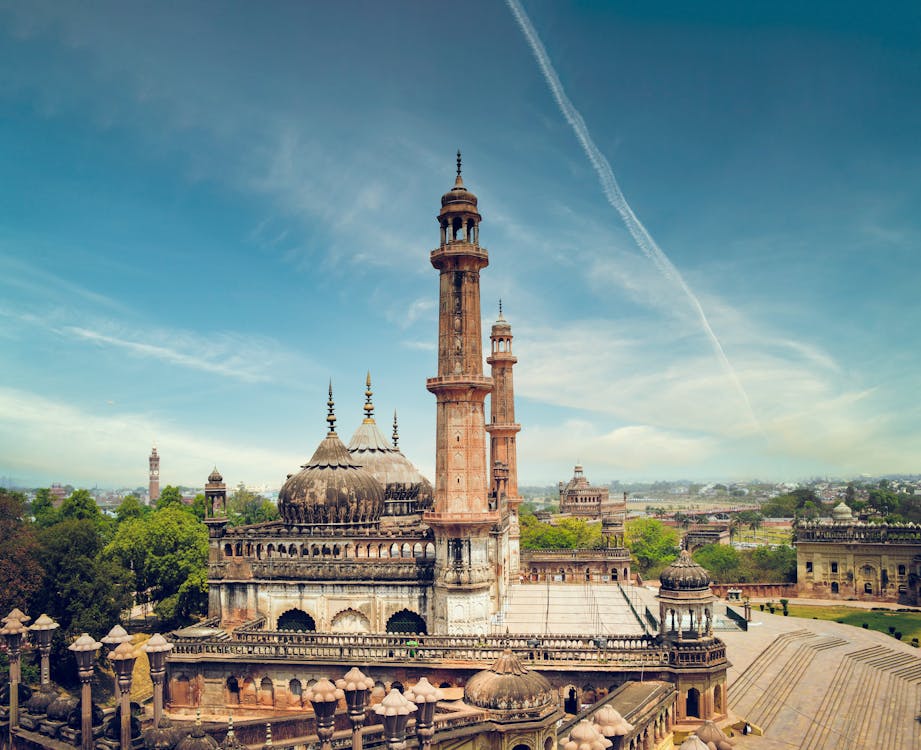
(21, 573)
(652, 544)
(566, 533)
(245, 507)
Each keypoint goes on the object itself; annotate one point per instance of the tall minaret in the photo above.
(461, 518)
(502, 428)
(153, 488)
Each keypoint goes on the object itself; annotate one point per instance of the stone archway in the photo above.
(406, 621)
(350, 621)
(692, 704)
(296, 619)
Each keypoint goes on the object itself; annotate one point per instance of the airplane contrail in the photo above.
(616, 198)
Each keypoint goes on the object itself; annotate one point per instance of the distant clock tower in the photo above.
(153, 490)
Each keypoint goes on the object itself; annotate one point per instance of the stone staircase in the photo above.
(819, 691)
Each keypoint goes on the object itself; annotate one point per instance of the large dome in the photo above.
(510, 688)
(331, 488)
(383, 460)
(684, 575)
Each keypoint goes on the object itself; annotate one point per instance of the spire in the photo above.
(369, 407)
(331, 405)
(459, 181)
(268, 736)
(500, 309)
(396, 435)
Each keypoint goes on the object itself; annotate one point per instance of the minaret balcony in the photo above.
(459, 383)
(459, 249)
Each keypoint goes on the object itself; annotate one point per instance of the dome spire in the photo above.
(396, 435)
(331, 416)
(368, 407)
(459, 181)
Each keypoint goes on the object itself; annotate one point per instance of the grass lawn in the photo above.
(908, 623)
(769, 535)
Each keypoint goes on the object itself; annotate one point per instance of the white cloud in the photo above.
(89, 447)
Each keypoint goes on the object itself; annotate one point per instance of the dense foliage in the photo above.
(84, 569)
(566, 533)
(759, 565)
(245, 507)
(652, 544)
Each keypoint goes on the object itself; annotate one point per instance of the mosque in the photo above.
(371, 564)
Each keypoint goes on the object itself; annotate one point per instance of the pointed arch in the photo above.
(406, 621)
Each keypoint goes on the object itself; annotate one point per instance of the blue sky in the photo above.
(209, 210)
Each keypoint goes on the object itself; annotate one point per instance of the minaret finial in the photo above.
(331, 405)
(268, 735)
(396, 435)
(369, 407)
(458, 163)
(500, 307)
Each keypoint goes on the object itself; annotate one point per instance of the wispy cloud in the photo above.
(110, 448)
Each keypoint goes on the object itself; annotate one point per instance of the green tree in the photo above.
(199, 506)
(21, 573)
(167, 550)
(43, 510)
(652, 543)
(721, 560)
(245, 507)
(169, 495)
(131, 507)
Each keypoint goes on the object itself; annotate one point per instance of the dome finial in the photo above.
(459, 181)
(331, 405)
(396, 435)
(369, 407)
(500, 308)
(458, 163)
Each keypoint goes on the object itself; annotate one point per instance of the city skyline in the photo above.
(211, 211)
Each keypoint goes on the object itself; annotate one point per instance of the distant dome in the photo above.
(215, 476)
(684, 575)
(508, 686)
(841, 512)
(331, 488)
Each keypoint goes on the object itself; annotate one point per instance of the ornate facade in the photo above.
(843, 558)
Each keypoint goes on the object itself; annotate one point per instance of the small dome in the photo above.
(197, 740)
(331, 488)
(459, 200)
(59, 709)
(712, 736)
(161, 737)
(684, 575)
(841, 512)
(41, 699)
(215, 476)
(508, 686)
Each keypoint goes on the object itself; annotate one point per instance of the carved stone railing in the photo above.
(624, 651)
(330, 570)
(858, 533)
(695, 653)
(612, 553)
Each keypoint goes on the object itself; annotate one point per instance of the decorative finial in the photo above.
(458, 163)
(396, 436)
(369, 407)
(331, 405)
(198, 718)
(230, 725)
(500, 307)
(268, 735)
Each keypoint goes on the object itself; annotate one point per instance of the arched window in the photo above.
(571, 701)
(228, 550)
(692, 706)
(296, 619)
(266, 692)
(295, 692)
(233, 691)
(406, 621)
(718, 699)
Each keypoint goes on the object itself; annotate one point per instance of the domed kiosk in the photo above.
(684, 593)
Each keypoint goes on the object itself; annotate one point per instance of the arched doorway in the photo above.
(233, 691)
(571, 701)
(834, 587)
(692, 706)
(406, 621)
(296, 619)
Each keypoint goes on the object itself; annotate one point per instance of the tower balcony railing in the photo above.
(577, 554)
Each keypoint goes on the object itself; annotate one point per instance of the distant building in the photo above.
(843, 558)
(153, 490)
(579, 498)
(58, 493)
